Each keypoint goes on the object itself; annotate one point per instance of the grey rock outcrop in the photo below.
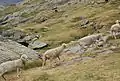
(75, 49)
(13, 34)
(10, 50)
(26, 40)
(37, 45)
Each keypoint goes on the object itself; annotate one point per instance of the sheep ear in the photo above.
(117, 21)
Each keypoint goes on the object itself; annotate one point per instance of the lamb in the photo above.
(12, 65)
(91, 39)
(115, 29)
(53, 53)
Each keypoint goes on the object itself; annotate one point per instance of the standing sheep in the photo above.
(91, 39)
(53, 53)
(13, 65)
(115, 29)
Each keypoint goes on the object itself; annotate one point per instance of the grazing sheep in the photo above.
(53, 53)
(115, 29)
(13, 65)
(91, 39)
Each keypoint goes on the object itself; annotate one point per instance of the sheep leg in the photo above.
(114, 35)
(3, 77)
(44, 62)
(18, 70)
(58, 57)
(81, 56)
(51, 62)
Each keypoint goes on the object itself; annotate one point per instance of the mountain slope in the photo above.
(63, 21)
(102, 68)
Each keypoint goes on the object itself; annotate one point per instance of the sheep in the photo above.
(12, 65)
(115, 29)
(91, 39)
(53, 53)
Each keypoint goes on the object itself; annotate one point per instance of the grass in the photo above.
(102, 68)
(32, 64)
(58, 28)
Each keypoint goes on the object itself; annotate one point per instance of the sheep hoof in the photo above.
(18, 76)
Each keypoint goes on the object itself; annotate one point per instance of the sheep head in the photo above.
(24, 57)
(40, 56)
(117, 21)
(100, 37)
(64, 45)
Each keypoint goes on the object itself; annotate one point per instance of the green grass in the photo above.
(102, 68)
(58, 28)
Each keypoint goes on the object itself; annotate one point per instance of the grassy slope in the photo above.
(58, 28)
(61, 29)
(102, 68)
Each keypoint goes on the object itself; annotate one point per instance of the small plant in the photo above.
(44, 77)
(89, 55)
(76, 19)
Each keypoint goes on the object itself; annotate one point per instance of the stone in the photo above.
(10, 50)
(84, 22)
(75, 49)
(37, 45)
(13, 34)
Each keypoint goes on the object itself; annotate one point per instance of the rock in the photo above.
(26, 39)
(84, 22)
(2, 7)
(29, 38)
(75, 49)
(14, 19)
(37, 45)
(6, 17)
(13, 34)
(103, 51)
(10, 50)
(22, 38)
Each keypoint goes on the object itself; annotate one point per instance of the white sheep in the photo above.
(115, 29)
(12, 65)
(53, 53)
(91, 39)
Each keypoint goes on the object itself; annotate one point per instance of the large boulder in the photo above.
(26, 40)
(13, 34)
(10, 50)
(37, 45)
